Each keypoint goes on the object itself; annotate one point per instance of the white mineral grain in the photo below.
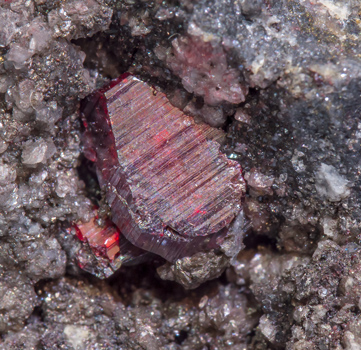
(65, 184)
(161, 52)
(138, 27)
(8, 28)
(35, 230)
(268, 329)
(323, 247)
(39, 35)
(23, 95)
(330, 184)
(24, 8)
(330, 228)
(259, 182)
(7, 174)
(300, 313)
(297, 161)
(267, 267)
(165, 13)
(242, 116)
(318, 313)
(49, 114)
(9, 196)
(38, 178)
(19, 56)
(77, 336)
(34, 151)
(347, 284)
(51, 148)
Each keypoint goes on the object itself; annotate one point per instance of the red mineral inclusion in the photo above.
(170, 189)
(104, 241)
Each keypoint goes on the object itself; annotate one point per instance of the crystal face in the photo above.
(170, 189)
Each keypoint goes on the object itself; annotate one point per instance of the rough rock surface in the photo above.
(282, 78)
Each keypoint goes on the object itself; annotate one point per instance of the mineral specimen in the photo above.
(297, 135)
(170, 189)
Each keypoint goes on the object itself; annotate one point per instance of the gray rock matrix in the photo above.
(282, 78)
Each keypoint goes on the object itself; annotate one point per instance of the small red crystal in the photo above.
(109, 249)
(103, 240)
(170, 189)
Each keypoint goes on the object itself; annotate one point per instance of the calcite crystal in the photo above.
(171, 190)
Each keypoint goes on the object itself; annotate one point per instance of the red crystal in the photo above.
(170, 189)
(107, 246)
(102, 240)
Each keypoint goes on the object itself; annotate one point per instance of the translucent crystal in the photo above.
(171, 191)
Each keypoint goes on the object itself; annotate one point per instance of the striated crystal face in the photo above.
(170, 189)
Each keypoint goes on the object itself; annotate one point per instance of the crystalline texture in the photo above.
(170, 189)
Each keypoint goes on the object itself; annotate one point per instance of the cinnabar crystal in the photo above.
(104, 241)
(107, 246)
(170, 189)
